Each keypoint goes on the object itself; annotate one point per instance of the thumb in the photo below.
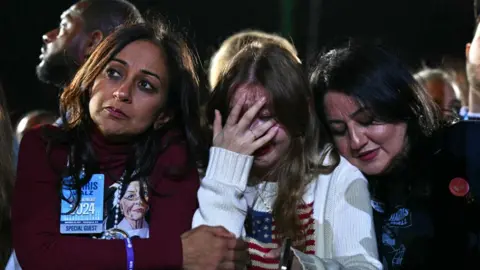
(217, 124)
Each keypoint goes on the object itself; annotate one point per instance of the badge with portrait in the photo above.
(86, 217)
(127, 211)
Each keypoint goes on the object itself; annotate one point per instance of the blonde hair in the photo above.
(235, 43)
(290, 100)
(426, 75)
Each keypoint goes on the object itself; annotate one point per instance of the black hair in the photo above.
(384, 86)
(379, 81)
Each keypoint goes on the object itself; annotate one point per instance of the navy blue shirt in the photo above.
(430, 227)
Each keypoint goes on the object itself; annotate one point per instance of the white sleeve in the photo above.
(351, 232)
(220, 197)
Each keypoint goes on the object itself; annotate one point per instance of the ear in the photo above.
(94, 39)
(467, 50)
(162, 119)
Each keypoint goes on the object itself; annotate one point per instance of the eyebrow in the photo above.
(352, 115)
(357, 112)
(144, 71)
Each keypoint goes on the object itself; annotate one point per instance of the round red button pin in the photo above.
(459, 187)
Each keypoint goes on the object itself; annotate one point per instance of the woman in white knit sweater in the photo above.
(266, 180)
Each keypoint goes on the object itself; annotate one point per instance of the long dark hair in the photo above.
(381, 83)
(182, 101)
(281, 75)
(7, 178)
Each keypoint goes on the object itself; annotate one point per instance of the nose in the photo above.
(123, 94)
(50, 36)
(357, 138)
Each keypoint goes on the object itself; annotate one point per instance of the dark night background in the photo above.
(419, 30)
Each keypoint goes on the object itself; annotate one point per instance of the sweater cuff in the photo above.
(229, 167)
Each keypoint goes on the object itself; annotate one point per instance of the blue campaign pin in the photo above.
(87, 217)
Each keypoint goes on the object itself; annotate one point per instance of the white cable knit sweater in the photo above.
(341, 224)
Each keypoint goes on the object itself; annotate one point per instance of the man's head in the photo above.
(442, 88)
(82, 27)
(33, 119)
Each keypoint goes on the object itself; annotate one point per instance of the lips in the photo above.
(263, 150)
(368, 155)
(116, 113)
(139, 210)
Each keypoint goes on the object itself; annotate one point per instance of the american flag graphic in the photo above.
(262, 237)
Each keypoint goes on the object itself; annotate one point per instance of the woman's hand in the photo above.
(238, 135)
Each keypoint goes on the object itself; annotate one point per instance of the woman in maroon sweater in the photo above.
(130, 125)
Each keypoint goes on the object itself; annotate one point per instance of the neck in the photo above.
(474, 100)
(105, 147)
(136, 224)
(261, 175)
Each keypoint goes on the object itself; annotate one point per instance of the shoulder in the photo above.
(175, 151)
(343, 174)
(36, 152)
(174, 165)
(341, 193)
(343, 180)
(37, 136)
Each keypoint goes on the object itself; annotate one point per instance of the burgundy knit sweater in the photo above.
(36, 210)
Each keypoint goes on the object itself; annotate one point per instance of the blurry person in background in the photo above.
(455, 66)
(82, 27)
(443, 89)
(7, 177)
(32, 119)
(235, 43)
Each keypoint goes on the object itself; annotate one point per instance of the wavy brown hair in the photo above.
(182, 100)
(267, 65)
(7, 177)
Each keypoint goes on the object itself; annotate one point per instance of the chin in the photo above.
(264, 162)
(373, 169)
(112, 132)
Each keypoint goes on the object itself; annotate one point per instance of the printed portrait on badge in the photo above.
(128, 210)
